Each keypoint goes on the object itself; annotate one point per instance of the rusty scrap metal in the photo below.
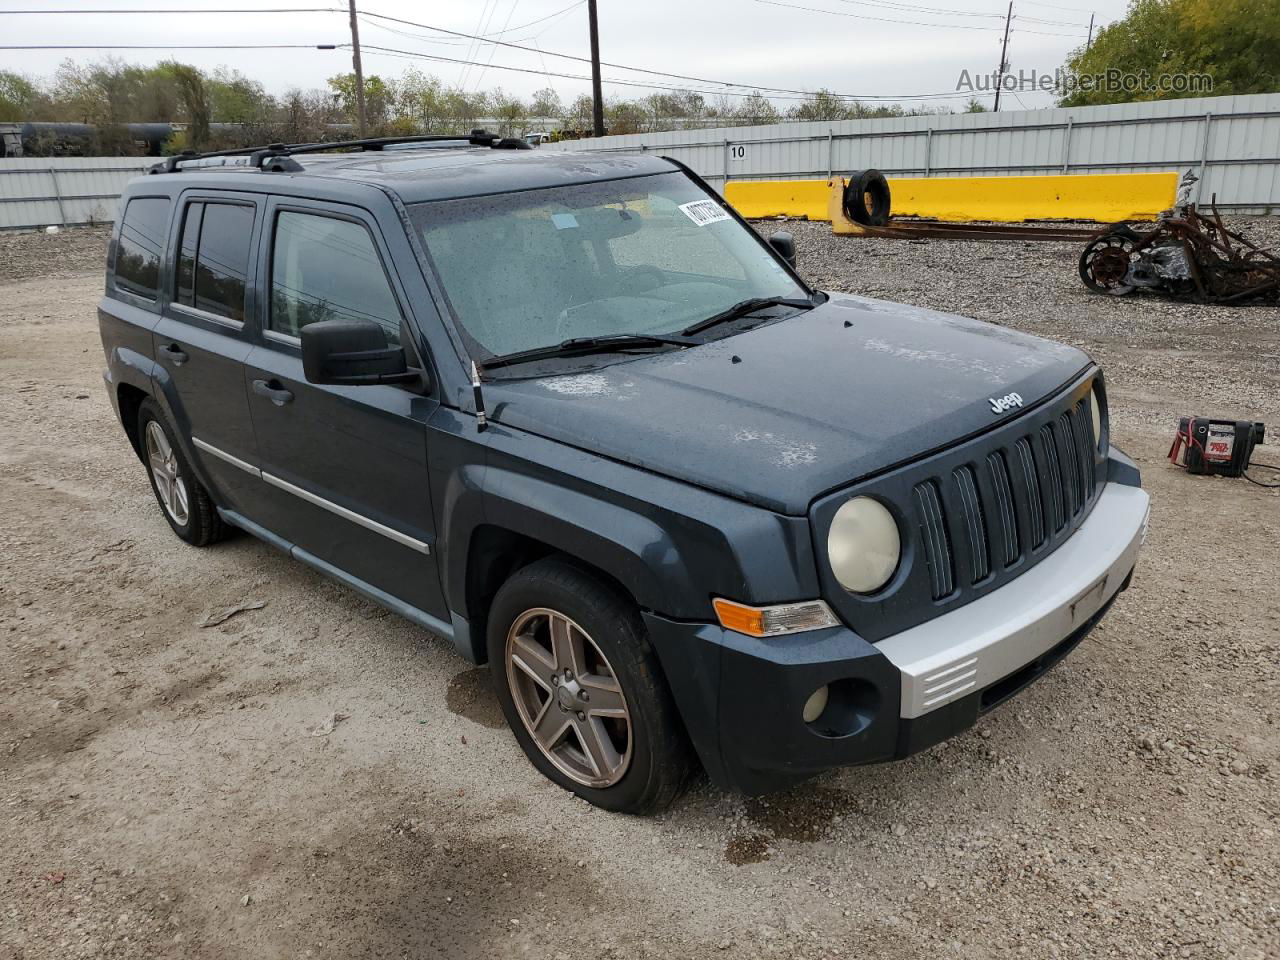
(1186, 255)
(937, 230)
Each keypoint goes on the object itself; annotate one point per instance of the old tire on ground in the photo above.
(582, 690)
(866, 198)
(183, 500)
(1105, 261)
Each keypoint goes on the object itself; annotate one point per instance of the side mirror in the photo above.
(352, 352)
(784, 244)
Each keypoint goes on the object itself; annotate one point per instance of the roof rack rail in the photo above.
(276, 157)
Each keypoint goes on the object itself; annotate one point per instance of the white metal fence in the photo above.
(1232, 144)
(43, 191)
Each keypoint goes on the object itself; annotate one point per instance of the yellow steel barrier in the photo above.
(1104, 197)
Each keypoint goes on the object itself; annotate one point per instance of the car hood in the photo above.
(783, 413)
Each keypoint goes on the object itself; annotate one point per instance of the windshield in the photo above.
(648, 255)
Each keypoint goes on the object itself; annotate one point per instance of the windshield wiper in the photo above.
(583, 346)
(745, 308)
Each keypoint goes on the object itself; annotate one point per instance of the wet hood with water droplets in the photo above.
(809, 404)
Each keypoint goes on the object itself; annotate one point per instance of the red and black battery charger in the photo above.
(1218, 447)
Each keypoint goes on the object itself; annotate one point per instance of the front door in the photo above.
(345, 468)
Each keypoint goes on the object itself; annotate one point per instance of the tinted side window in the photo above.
(187, 254)
(327, 269)
(142, 238)
(222, 259)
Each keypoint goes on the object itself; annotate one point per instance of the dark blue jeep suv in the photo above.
(571, 412)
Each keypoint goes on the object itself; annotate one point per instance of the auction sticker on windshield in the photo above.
(703, 212)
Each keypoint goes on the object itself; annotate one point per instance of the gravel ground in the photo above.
(69, 252)
(318, 778)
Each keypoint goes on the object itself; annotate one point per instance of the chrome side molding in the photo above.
(337, 509)
(213, 451)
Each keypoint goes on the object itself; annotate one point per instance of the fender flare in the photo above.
(128, 368)
(629, 547)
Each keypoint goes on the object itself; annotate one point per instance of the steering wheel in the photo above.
(636, 280)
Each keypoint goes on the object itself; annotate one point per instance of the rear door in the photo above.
(345, 467)
(130, 308)
(204, 336)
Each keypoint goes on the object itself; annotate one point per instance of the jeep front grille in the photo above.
(933, 534)
(998, 516)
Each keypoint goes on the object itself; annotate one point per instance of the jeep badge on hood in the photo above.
(1007, 402)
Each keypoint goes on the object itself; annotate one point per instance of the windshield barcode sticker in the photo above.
(703, 212)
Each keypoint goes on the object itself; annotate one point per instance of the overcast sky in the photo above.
(843, 45)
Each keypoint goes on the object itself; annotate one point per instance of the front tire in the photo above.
(582, 690)
(183, 500)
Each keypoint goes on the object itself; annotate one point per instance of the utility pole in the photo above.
(1004, 50)
(355, 62)
(597, 98)
(1089, 42)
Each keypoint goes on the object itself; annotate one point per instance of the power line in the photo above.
(1057, 6)
(914, 23)
(172, 46)
(549, 16)
(188, 10)
(493, 50)
(412, 54)
(184, 10)
(473, 49)
(617, 66)
(861, 16)
(718, 86)
(916, 8)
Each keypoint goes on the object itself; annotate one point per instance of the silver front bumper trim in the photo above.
(971, 648)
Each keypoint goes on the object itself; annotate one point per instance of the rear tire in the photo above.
(183, 500)
(556, 633)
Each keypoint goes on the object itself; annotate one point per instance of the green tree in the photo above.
(756, 109)
(190, 86)
(510, 112)
(975, 106)
(625, 116)
(546, 103)
(419, 102)
(1235, 42)
(378, 99)
(234, 98)
(578, 116)
(462, 110)
(824, 105)
(20, 97)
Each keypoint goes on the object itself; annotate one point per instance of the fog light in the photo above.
(816, 703)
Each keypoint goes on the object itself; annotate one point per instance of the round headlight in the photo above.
(863, 545)
(1095, 408)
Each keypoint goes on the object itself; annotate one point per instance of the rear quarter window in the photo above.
(141, 246)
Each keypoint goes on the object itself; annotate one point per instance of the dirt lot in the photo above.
(173, 790)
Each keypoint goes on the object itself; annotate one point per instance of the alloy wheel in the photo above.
(568, 698)
(170, 486)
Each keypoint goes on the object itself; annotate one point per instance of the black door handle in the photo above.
(176, 354)
(273, 391)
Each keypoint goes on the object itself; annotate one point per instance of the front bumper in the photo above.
(742, 698)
